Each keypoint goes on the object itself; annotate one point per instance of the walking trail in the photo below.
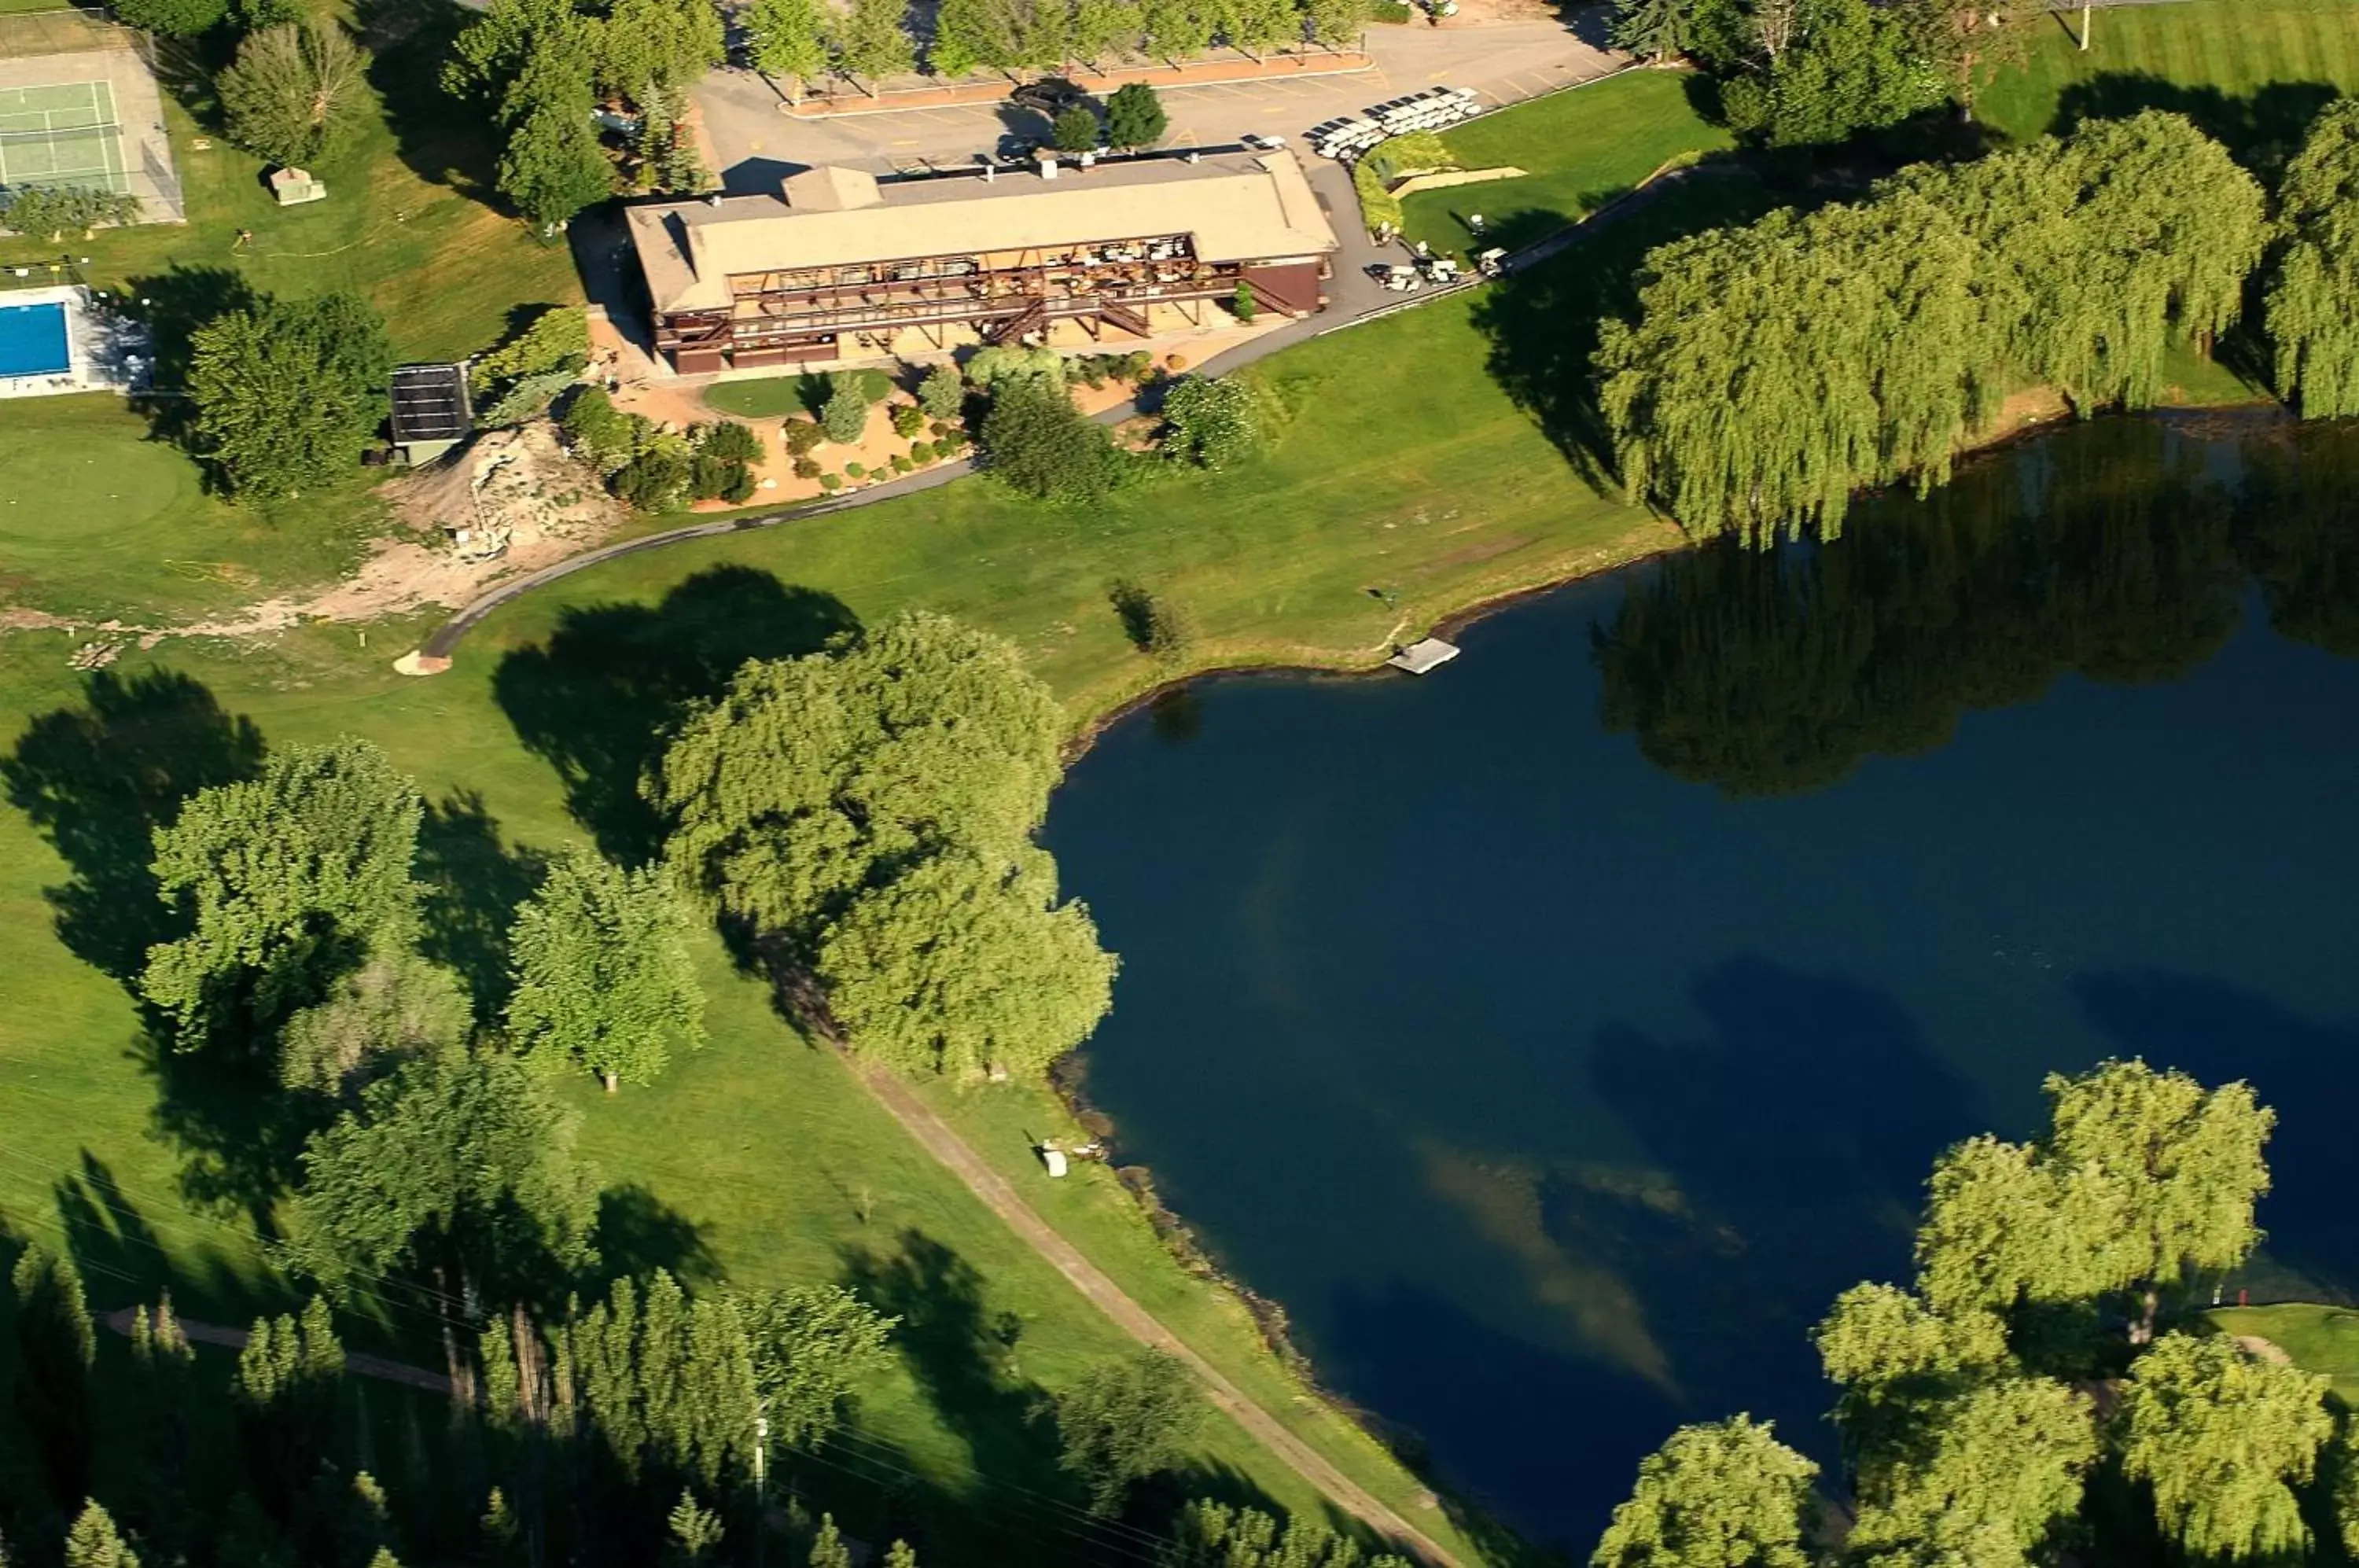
(936, 1137)
(358, 1364)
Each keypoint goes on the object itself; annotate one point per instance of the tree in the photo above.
(844, 415)
(1995, 1472)
(1036, 444)
(1124, 1420)
(2181, 1165)
(1728, 1495)
(394, 1006)
(1075, 130)
(602, 971)
(789, 39)
(901, 1555)
(870, 40)
(991, 368)
(288, 879)
(286, 1390)
(493, 50)
(460, 1164)
(287, 393)
(650, 49)
(1250, 25)
(696, 1532)
(1103, 26)
(1970, 40)
(56, 1348)
(552, 166)
(1850, 66)
(811, 1345)
(174, 18)
(1657, 28)
(1181, 28)
(965, 964)
(1895, 1359)
(1338, 22)
(1134, 116)
(827, 1549)
(1209, 1533)
(814, 779)
(2312, 306)
(93, 1542)
(2223, 1439)
(667, 1381)
(942, 392)
(37, 211)
(2000, 1229)
(295, 92)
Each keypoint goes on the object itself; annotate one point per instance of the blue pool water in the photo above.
(33, 340)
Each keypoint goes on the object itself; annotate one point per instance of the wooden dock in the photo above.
(1423, 658)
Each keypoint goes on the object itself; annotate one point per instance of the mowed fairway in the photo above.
(1580, 149)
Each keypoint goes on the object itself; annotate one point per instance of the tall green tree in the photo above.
(2180, 1164)
(667, 1382)
(828, 1548)
(2224, 1439)
(966, 964)
(288, 881)
(1849, 67)
(1897, 1359)
(174, 18)
(1124, 1421)
(651, 48)
(1727, 1495)
(287, 393)
(2004, 1225)
(492, 50)
(2312, 307)
(296, 91)
(1134, 116)
(396, 1006)
(1659, 29)
(1178, 28)
(602, 971)
(870, 40)
(286, 1392)
(812, 1347)
(56, 1348)
(552, 166)
(1208, 1533)
(94, 1542)
(1036, 444)
(1994, 1477)
(790, 41)
(814, 779)
(460, 1165)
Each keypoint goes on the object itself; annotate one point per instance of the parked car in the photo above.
(1051, 95)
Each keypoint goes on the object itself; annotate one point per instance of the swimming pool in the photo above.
(33, 340)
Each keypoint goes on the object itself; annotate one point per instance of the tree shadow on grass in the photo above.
(964, 1355)
(599, 699)
(239, 1134)
(639, 1233)
(474, 884)
(175, 303)
(442, 140)
(98, 780)
(2261, 129)
(1543, 322)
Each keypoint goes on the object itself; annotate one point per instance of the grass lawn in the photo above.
(2252, 72)
(768, 396)
(2319, 1338)
(1580, 149)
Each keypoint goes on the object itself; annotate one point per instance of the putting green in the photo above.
(105, 485)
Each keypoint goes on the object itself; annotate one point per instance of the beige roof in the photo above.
(1236, 207)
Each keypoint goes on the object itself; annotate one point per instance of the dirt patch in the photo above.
(2260, 1349)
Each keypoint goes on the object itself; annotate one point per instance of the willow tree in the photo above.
(1895, 1358)
(2312, 306)
(1997, 1474)
(2224, 1439)
(1727, 1495)
(602, 971)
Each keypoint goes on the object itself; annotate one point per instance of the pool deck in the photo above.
(108, 353)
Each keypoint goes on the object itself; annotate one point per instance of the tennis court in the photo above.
(65, 134)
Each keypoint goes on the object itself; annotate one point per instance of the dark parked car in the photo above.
(1051, 95)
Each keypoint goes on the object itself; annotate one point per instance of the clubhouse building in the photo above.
(841, 265)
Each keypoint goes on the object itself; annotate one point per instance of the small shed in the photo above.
(430, 411)
(293, 187)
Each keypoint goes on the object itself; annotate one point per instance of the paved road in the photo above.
(359, 1365)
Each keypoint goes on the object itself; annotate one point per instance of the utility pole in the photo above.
(2088, 10)
(761, 1471)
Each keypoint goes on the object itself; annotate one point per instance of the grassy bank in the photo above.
(2317, 1338)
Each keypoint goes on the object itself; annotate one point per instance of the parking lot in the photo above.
(754, 145)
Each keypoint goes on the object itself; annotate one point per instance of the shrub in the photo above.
(1134, 116)
(48, 211)
(1213, 424)
(1153, 627)
(603, 434)
(1379, 210)
(806, 468)
(1242, 303)
(656, 480)
(991, 367)
(921, 451)
(940, 429)
(799, 436)
(1415, 152)
(830, 482)
(901, 463)
(712, 477)
(854, 470)
(730, 440)
(1075, 130)
(1134, 365)
(908, 419)
(942, 394)
(845, 418)
(1040, 445)
(1392, 12)
(741, 486)
(556, 339)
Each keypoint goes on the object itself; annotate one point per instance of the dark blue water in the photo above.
(1555, 1036)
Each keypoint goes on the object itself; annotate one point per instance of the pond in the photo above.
(1555, 1036)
